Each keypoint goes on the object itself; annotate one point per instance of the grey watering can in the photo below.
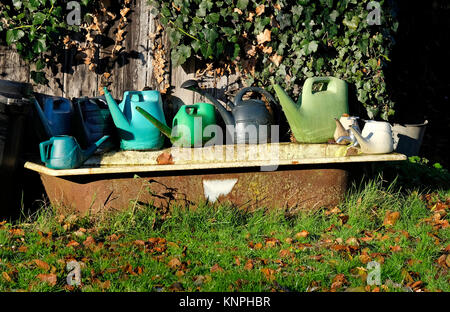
(246, 117)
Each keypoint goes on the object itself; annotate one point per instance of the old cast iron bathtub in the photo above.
(277, 175)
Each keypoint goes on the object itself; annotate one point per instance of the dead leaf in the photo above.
(391, 218)
(89, 241)
(174, 263)
(302, 233)
(72, 243)
(395, 248)
(6, 277)
(260, 9)
(338, 281)
(17, 232)
(112, 238)
(258, 246)
(249, 264)
(177, 286)
(364, 258)
(22, 249)
(237, 261)
(269, 274)
(284, 253)
(276, 59)
(250, 17)
(41, 264)
(264, 36)
(165, 159)
(48, 278)
(216, 268)
(237, 11)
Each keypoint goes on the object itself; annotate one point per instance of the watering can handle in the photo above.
(307, 87)
(269, 97)
(44, 148)
(194, 106)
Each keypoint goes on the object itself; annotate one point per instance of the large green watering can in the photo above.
(312, 118)
(189, 126)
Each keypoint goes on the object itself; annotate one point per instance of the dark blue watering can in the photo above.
(92, 120)
(56, 116)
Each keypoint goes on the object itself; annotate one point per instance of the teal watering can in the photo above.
(188, 124)
(56, 117)
(135, 132)
(63, 152)
(312, 118)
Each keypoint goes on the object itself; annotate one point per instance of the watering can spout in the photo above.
(362, 141)
(91, 149)
(289, 106)
(119, 118)
(44, 119)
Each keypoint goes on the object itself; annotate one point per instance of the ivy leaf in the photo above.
(39, 46)
(13, 35)
(17, 4)
(39, 18)
(312, 46)
(40, 64)
(242, 4)
(39, 77)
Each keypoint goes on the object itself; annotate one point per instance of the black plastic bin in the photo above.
(15, 108)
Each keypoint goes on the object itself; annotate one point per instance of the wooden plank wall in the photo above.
(132, 71)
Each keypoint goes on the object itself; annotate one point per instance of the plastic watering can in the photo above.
(63, 152)
(135, 132)
(56, 117)
(312, 118)
(188, 126)
(375, 138)
(92, 120)
(245, 115)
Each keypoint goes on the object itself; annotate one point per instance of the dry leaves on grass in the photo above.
(41, 264)
(51, 278)
(302, 234)
(391, 218)
(269, 274)
(338, 281)
(264, 36)
(216, 268)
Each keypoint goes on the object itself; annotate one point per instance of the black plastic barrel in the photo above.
(15, 108)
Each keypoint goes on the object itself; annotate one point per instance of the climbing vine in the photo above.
(286, 41)
(41, 31)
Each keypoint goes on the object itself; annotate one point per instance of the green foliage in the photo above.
(36, 27)
(312, 38)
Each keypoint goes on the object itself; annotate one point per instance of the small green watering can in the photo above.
(312, 118)
(188, 126)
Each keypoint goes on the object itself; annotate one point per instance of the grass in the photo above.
(219, 248)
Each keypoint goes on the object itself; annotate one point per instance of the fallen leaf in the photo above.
(447, 261)
(258, 246)
(338, 281)
(165, 159)
(22, 249)
(48, 278)
(179, 273)
(249, 264)
(395, 248)
(237, 261)
(17, 232)
(113, 238)
(237, 11)
(6, 277)
(269, 274)
(89, 241)
(72, 243)
(302, 233)
(216, 268)
(364, 258)
(174, 263)
(284, 253)
(177, 286)
(391, 218)
(41, 264)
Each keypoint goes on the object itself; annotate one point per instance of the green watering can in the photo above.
(312, 118)
(189, 124)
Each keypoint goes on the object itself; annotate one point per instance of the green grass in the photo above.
(215, 245)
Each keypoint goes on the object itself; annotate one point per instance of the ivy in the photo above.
(35, 27)
(287, 41)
